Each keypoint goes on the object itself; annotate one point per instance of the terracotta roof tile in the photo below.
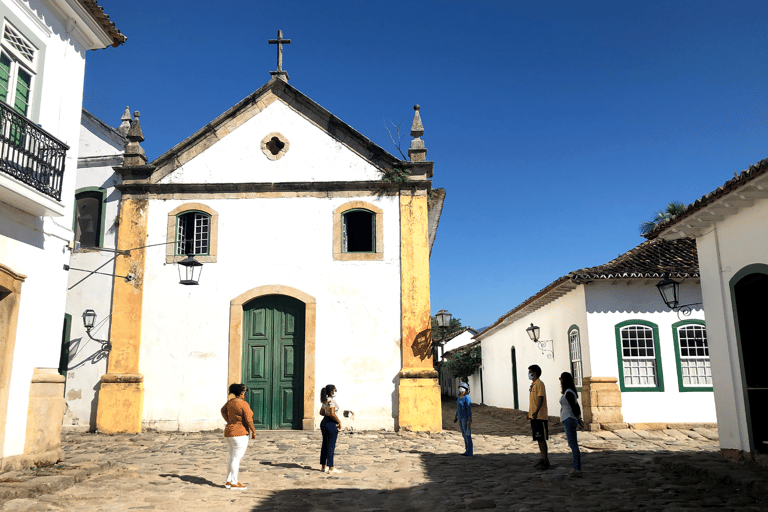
(93, 7)
(734, 183)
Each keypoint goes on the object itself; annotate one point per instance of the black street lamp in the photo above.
(443, 318)
(89, 319)
(670, 294)
(533, 332)
(192, 270)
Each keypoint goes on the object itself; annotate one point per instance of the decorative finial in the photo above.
(125, 125)
(417, 151)
(280, 73)
(134, 153)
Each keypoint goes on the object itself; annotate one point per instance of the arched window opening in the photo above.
(193, 233)
(359, 231)
(88, 212)
(574, 343)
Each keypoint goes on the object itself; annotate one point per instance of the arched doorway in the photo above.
(249, 326)
(514, 379)
(749, 288)
(273, 360)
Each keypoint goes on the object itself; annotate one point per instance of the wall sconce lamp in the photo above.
(191, 274)
(89, 319)
(533, 333)
(443, 318)
(670, 294)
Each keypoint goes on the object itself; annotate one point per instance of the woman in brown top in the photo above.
(239, 418)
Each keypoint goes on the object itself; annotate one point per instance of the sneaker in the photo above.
(334, 471)
(238, 485)
(325, 470)
(228, 485)
(574, 473)
(542, 464)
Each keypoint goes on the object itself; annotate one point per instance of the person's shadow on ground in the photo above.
(197, 480)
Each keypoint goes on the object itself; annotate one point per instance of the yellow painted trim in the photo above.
(170, 236)
(418, 389)
(121, 398)
(378, 254)
(235, 368)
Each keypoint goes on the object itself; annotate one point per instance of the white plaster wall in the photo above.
(734, 243)
(612, 302)
(554, 319)
(36, 246)
(312, 156)
(288, 241)
(100, 149)
(459, 341)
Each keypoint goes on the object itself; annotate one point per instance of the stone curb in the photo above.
(27, 484)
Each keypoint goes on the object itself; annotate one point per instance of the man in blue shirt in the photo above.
(464, 417)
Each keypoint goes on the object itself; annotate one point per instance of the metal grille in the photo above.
(639, 356)
(19, 42)
(694, 356)
(575, 345)
(30, 154)
(193, 233)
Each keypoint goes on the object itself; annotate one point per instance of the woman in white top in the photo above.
(329, 427)
(570, 416)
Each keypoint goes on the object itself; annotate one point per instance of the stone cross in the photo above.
(283, 75)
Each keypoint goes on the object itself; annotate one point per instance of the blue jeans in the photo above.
(466, 432)
(570, 425)
(330, 432)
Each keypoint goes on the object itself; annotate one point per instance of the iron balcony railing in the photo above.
(30, 154)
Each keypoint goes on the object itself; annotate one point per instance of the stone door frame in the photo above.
(10, 299)
(235, 369)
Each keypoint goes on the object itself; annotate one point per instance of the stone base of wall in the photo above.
(601, 402)
(121, 403)
(16, 462)
(44, 417)
(419, 407)
(743, 457)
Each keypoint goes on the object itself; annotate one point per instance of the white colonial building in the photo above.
(42, 63)
(634, 360)
(315, 251)
(730, 226)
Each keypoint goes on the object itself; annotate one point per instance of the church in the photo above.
(308, 247)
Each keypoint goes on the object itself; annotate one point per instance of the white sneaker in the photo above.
(334, 471)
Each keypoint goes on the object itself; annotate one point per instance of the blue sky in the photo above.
(555, 127)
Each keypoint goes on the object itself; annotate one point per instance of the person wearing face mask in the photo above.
(537, 412)
(330, 427)
(464, 417)
(239, 417)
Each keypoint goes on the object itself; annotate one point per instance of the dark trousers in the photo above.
(330, 432)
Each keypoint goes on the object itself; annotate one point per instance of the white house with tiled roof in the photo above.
(730, 226)
(634, 360)
(315, 255)
(43, 45)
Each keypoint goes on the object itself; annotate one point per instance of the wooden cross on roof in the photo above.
(280, 73)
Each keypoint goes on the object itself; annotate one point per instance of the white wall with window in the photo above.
(633, 338)
(42, 64)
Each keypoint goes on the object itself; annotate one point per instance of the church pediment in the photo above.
(275, 135)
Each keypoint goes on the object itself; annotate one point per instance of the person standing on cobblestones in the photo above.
(570, 417)
(537, 413)
(239, 417)
(464, 416)
(329, 427)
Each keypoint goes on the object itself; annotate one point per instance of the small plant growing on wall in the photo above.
(396, 175)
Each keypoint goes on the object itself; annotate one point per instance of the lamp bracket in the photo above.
(549, 352)
(685, 309)
(106, 345)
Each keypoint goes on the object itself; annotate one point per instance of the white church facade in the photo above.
(315, 270)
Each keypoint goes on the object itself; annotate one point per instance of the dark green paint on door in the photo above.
(273, 360)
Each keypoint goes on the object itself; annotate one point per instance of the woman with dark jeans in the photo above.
(570, 416)
(330, 427)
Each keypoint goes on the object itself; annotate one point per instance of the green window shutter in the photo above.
(5, 73)
(23, 85)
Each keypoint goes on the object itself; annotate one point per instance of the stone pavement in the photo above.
(628, 470)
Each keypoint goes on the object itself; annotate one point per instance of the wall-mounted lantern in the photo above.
(89, 320)
(670, 294)
(533, 332)
(192, 270)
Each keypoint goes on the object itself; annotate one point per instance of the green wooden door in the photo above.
(273, 360)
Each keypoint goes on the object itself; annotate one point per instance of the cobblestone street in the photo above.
(670, 470)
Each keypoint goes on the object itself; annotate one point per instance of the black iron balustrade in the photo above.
(30, 154)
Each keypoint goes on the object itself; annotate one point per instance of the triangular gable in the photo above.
(271, 92)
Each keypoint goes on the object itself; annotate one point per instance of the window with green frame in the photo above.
(89, 217)
(694, 372)
(17, 66)
(574, 347)
(193, 233)
(639, 357)
(358, 231)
